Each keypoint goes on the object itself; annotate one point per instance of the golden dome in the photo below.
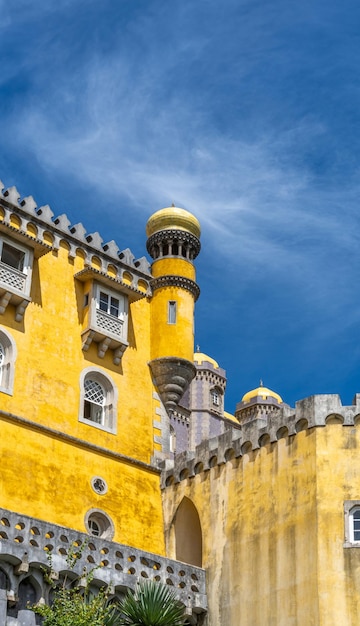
(173, 217)
(262, 392)
(200, 357)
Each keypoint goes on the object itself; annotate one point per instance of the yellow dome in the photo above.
(200, 357)
(173, 217)
(263, 392)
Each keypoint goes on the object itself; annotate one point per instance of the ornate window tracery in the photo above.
(98, 400)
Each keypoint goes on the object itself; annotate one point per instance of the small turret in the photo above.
(258, 403)
(173, 242)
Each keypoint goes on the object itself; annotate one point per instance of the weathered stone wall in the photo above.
(270, 498)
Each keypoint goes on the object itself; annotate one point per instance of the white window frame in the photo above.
(216, 397)
(26, 270)
(350, 508)
(172, 439)
(172, 312)
(109, 407)
(7, 366)
(122, 314)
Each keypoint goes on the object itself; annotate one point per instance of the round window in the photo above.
(99, 524)
(99, 485)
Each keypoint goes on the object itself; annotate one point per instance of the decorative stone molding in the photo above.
(75, 441)
(315, 411)
(132, 291)
(212, 377)
(171, 376)
(176, 281)
(25, 543)
(187, 244)
(37, 228)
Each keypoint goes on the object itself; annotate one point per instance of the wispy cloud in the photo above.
(232, 113)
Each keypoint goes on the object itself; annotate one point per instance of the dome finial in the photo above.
(261, 382)
(197, 348)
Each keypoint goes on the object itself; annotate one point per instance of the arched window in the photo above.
(7, 362)
(355, 525)
(98, 400)
(352, 523)
(172, 439)
(2, 359)
(94, 401)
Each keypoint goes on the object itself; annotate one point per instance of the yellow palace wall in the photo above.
(46, 477)
(273, 531)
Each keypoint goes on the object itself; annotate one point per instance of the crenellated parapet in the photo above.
(315, 411)
(39, 228)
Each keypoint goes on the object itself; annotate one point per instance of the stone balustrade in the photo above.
(29, 546)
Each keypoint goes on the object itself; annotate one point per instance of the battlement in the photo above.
(315, 411)
(25, 220)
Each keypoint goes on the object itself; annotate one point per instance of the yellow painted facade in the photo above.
(47, 391)
(99, 382)
(41, 431)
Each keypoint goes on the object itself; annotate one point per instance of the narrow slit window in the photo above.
(172, 312)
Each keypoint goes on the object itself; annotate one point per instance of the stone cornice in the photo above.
(176, 281)
(43, 221)
(52, 432)
(91, 273)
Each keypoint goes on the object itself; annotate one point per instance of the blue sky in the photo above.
(244, 112)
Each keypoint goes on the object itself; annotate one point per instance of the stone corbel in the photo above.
(23, 566)
(118, 354)
(87, 339)
(103, 347)
(20, 310)
(4, 301)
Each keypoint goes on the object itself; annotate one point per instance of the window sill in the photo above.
(106, 429)
(351, 544)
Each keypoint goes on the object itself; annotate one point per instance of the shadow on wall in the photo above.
(188, 535)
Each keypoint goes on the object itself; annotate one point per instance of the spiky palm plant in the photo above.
(152, 604)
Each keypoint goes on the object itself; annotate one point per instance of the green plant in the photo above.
(76, 606)
(152, 604)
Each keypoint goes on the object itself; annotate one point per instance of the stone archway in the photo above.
(188, 535)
